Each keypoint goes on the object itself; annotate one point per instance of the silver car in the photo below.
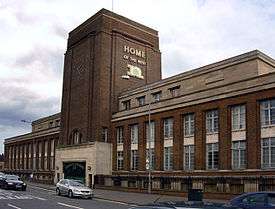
(73, 188)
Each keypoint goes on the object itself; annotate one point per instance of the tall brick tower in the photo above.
(100, 51)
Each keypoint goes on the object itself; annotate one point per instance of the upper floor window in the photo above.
(104, 134)
(168, 128)
(189, 124)
(156, 96)
(57, 123)
(152, 132)
(126, 104)
(189, 157)
(268, 112)
(119, 160)
(134, 134)
(175, 91)
(212, 121)
(141, 100)
(51, 124)
(238, 117)
(134, 159)
(238, 154)
(119, 135)
(150, 159)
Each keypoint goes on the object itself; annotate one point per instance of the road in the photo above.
(40, 198)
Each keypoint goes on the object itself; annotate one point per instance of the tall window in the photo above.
(168, 128)
(268, 152)
(268, 112)
(152, 159)
(152, 132)
(104, 134)
(134, 159)
(238, 154)
(76, 137)
(212, 121)
(157, 96)
(238, 117)
(141, 100)
(168, 158)
(189, 125)
(189, 157)
(212, 157)
(119, 135)
(119, 160)
(134, 134)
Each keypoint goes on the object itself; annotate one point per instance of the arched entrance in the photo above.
(74, 170)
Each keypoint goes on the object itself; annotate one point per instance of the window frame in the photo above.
(238, 117)
(189, 124)
(239, 148)
(212, 120)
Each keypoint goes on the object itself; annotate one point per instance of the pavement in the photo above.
(131, 198)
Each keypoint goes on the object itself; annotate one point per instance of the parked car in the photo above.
(254, 200)
(73, 188)
(12, 182)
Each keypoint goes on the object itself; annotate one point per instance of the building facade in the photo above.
(32, 155)
(212, 128)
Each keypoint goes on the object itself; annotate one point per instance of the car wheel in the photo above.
(58, 192)
(70, 194)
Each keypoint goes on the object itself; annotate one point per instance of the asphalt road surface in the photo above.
(39, 198)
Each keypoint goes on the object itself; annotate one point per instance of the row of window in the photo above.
(156, 97)
(238, 151)
(238, 119)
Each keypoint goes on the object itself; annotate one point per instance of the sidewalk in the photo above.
(128, 197)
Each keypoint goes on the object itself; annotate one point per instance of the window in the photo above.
(76, 137)
(119, 135)
(238, 155)
(189, 125)
(150, 160)
(51, 124)
(168, 158)
(152, 132)
(104, 134)
(119, 160)
(268, 112)
(134, 134)
(126, 105)
(212, 156)
(141, 101)
(134, 159)
(238, 117)
(168, 128)
(57, 123)
(157, 96)
(268, 153)
(212, 121)
(175, 91)
(189, 157)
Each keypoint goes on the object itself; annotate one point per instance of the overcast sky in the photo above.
(33, 35)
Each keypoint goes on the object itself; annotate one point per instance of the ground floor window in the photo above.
(119, 160)
(212, 156)
(168, 158)
(134, 159)
(268, 152)
(189, 157)
(238, 155)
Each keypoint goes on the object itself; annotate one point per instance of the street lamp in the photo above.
(148, 90)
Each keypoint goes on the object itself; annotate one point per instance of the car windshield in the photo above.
(75, 183)
(12, 177)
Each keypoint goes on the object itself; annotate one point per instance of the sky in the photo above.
(193, 33)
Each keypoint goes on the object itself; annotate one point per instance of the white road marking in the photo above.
(39, 198)
(113, 201)
(70, 206)
(13, 206)
(49, 190)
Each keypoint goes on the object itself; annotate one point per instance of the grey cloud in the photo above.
(51, 59)
(60, 30)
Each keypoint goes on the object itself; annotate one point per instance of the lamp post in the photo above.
(148, 90)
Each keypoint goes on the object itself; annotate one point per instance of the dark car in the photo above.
(254, 200)
(12, 182)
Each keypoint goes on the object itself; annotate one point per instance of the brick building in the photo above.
(211, 128)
